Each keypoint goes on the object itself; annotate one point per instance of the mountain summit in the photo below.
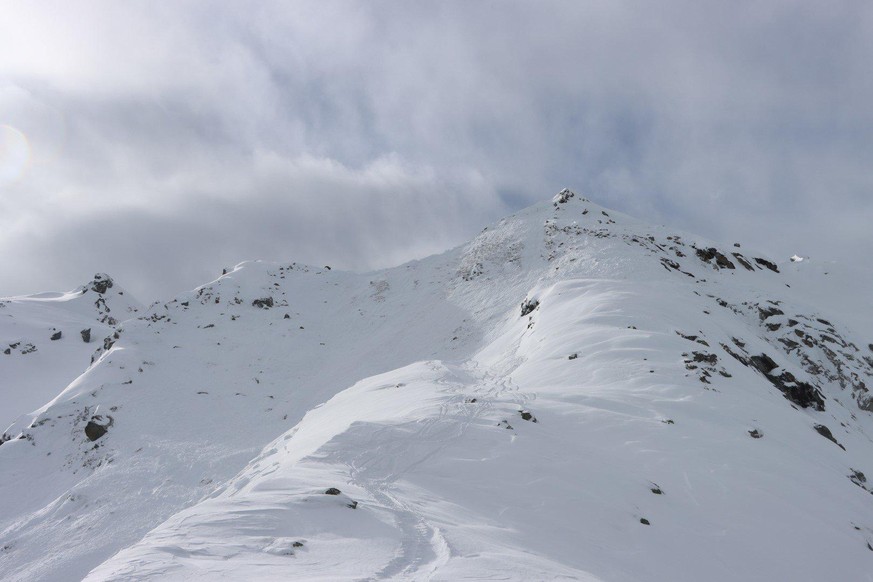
(574, 394)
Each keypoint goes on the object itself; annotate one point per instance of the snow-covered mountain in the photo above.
(573, 395)
(47, 340)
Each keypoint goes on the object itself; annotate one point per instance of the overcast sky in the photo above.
(162, 141)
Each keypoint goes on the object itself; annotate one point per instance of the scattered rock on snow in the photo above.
(765, 312)
(95, 430)
(826, 433)
(528, 305)
(526, 415)
(768, 264)
(562, 197)
(801, 393)
(56, 336)
(859, 479)
(263, 303)
(86, 335)
(332, 491)
(721, 261)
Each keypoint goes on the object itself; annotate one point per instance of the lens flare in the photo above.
(14, 154)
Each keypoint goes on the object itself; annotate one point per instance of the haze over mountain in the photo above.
(574, 394)
(160, 143)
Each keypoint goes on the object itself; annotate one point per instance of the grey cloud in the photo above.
(248, 125)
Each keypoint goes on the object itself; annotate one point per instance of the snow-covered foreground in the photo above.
(573, 395)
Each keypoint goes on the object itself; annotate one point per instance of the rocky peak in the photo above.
(101, 283)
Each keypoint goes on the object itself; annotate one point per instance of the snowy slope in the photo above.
(34, 367)
(573, 395)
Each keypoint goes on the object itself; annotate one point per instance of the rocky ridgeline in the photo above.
(105, 302)
(805, 342)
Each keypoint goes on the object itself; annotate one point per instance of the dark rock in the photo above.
(287, 316)
(742, 260)
(86, 335)
(528, 305)
(572, 356)
(801, 393)
(56, 336)
(109, 341)
(764, 363)
(563, 197)
(525, 415)
(755, 433)
(790, 344)
(352, 505)
(94, 431)
(332, 491)
(765, 312)
(858, 478)
(264, 303)
(768, 264)
(645, 521)
(297, 545)
(826, 433)
(711, 359)
(101, 283)
(7, 351)
(657, 490)
(668, 421)
(668, 264)
(721, 261)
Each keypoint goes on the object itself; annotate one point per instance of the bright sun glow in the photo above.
(14, 154)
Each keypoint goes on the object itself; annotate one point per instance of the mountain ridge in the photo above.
(562, 325)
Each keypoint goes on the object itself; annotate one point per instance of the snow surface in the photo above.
(29, 379)
(626, 427)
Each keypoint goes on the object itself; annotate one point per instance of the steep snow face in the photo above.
(573, 395)
(47, 340)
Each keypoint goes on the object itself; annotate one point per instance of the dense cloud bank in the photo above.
(163, 142)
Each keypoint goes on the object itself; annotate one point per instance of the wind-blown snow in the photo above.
(666, 408)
